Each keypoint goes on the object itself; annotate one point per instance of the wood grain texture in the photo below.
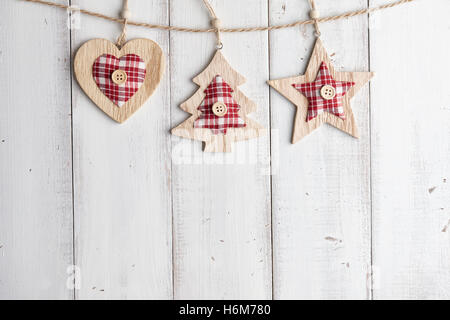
(126, 176)
(411, 148)
(221, 241)
(302, 127)
(35, 153)
(146, 49)
(122, 178)
(214, 142)
(321, 186)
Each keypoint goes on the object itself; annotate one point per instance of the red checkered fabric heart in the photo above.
(318, 104)
(106, 64)
(219, 91)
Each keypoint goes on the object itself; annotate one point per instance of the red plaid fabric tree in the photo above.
(218, 92)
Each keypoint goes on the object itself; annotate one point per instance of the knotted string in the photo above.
(125, 16)
(215, 23)
(314, 15)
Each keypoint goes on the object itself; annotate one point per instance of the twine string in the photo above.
(125, 16)
(314, 15)
(246, 29)
(210, 9)
(216, 23)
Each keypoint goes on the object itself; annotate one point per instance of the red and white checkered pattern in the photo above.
(219, 90)
(106, 64)
(317, 104)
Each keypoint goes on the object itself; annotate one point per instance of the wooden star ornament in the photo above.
(322, 95)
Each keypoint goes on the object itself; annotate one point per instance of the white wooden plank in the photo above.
(221, 203)
(35, 153)
(122, 178)
(321, 188)
(411, 148)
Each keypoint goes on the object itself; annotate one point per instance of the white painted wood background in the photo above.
(143, 214)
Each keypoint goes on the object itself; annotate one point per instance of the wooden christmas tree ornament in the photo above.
(321, 95)
(119, 77)
(219, 109)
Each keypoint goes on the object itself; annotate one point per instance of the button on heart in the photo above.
(119, 79)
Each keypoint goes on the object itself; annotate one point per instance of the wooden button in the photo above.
(119, 77)
(328, 92)
(219, 109)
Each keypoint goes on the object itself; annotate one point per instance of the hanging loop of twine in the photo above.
(126, 15)
(215, 23)
(314, 15)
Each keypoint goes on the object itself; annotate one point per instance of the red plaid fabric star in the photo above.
(219, 91)
(106, 64)
(317, 102)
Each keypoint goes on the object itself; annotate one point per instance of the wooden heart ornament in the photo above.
(119, 81)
